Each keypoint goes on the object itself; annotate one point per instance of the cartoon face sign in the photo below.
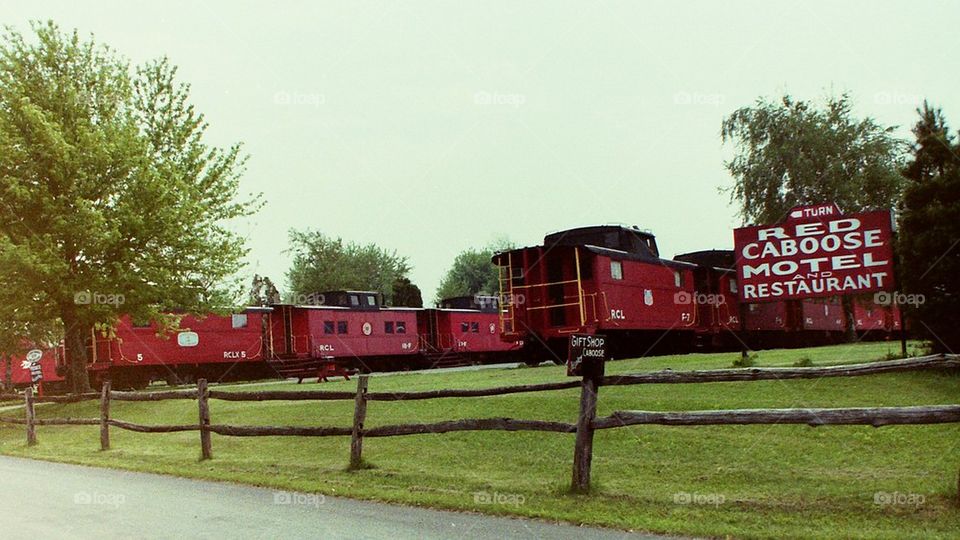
(33, 357)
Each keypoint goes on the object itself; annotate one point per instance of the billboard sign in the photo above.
(816, 251)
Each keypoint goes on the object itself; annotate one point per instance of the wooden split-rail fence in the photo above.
(585, 426)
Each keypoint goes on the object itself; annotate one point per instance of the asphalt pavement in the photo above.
(52, 500)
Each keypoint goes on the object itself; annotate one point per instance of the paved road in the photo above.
(52, 500)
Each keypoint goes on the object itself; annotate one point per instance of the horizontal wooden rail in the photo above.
(67, 421)
(281, 395)
(53, 421)
(477, 424)
(278, 431)
(320, 395)
(479, 392)
(73, 398)
(871, 416)
(151, 396)
(140, 428)
(766, 374)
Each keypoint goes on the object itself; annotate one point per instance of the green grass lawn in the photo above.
(744, 481)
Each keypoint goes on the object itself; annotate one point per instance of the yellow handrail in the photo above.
(583, 315)
(544, 284)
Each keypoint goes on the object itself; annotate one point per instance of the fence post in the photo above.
(105, 416)
(359, 415)
(204, 408)
(31, 417)
(583, 450)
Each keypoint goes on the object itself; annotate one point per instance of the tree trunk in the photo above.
(851, 330)
(7, 373)
(76, 352)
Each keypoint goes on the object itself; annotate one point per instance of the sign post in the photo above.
(585, 357)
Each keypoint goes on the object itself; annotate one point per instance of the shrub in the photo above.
(746, 361)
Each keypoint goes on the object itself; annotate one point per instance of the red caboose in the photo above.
(715, 297)
(823, 315)
(605, 279)
(215, 347)
(350, 329)
(876, 321)
(464, 330)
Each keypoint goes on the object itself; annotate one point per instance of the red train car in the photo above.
(716, 298)
(605, 279)
(464, 330)
(875, 321)
(215, 347)
(823, 314)
(351, 330)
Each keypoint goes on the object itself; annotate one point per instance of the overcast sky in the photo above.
(432, 127)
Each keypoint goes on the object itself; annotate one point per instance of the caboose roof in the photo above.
(719, 259)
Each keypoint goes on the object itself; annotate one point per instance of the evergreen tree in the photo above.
(930, 231)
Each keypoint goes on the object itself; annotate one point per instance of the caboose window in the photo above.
(354, 300)
(652, 247)
(677, 279)
(388, 327)
(733, 285)
(464, 327)
(239, 320)
(327, 327)
(371, 300)
(341, 327)
(401, 327)
(516, 274)
(616, 269)
(475, 327)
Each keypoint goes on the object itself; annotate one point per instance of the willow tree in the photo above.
(790, 153)
(112, 201)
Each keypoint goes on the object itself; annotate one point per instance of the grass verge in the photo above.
(743, 481)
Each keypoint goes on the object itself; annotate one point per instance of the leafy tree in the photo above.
(792, 153)
(406, 294)
(473, 272)
(112, 201)
(930, 230)
(322, 264)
